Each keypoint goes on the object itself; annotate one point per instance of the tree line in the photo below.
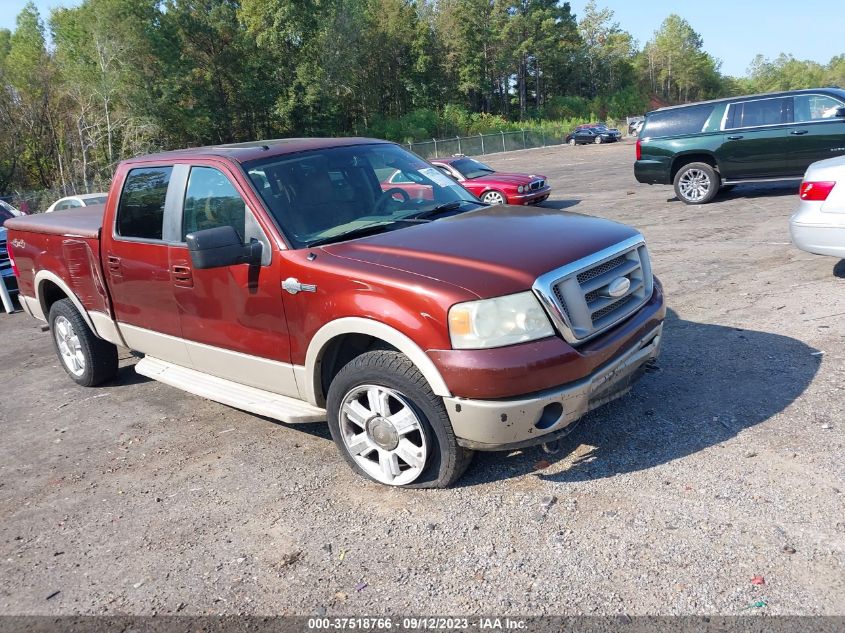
(90, 85)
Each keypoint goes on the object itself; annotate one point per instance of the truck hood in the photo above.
(491, 251)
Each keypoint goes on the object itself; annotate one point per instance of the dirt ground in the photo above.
(724, 465)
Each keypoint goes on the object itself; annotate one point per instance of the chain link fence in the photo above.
(484, 143)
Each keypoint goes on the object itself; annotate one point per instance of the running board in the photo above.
(233, 394)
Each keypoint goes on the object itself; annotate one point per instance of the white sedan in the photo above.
(818, 226)
(82, 200)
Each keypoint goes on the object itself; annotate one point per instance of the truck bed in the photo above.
(78, 222)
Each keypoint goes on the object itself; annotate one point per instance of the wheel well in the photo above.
(49, 293)
(686, 159)
(340, 351)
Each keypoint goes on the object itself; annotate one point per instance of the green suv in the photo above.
(700, 147)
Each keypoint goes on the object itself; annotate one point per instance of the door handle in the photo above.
(114, 264)
(735, 138)
(798, 132)
(293, 286)
(183, 275)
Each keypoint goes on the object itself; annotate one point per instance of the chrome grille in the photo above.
(537, 184)
(578, 295)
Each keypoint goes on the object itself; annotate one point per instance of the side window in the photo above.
(141, 210)
(815, 108)
(445, 171)
(757, 113)
(211, 200)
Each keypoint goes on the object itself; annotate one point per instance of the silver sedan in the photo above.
(818, 225)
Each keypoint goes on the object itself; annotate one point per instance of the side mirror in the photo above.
(840, 112)
(221, 246)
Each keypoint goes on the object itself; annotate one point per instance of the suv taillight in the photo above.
(817, 191)
(12, 259)
(639, 149)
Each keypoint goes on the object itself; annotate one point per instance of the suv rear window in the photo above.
(677, 122)
(141, 210)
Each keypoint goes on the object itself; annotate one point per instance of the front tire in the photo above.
(696, 183)
(390, 426)
(494, 197)
(87, 359)
(572, 142)
(598, 140)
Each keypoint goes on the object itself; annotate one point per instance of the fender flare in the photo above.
(45, 275)
(369, 327)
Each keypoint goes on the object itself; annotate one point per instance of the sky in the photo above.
(733, 31)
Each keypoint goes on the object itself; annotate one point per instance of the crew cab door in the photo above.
(232, 317)
(818, 132)
(136, 261)
(756, 139)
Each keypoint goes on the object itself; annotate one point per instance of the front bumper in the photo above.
(532, 197)
(817, 231)
(492, 425)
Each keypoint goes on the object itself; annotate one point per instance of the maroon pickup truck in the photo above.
(280, 277)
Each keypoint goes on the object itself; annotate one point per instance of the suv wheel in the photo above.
(87, 359)
(696, 183)
(390, 426)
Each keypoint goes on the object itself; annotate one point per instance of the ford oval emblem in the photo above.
(618, 287)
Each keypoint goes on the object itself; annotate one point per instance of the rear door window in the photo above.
(677, 122)
(140, 214)
(757, 113)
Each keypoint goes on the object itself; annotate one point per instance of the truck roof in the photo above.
(245, 152)
(762, 95)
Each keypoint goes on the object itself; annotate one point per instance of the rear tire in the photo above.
(381, 410)
(598, 140)
(87, 359)
(696, 183)
(572, 142)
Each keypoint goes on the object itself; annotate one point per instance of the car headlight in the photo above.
(520, 189)
(498, 322)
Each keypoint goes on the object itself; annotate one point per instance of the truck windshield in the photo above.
(330, 194)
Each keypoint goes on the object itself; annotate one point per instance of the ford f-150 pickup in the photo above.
(279, 277)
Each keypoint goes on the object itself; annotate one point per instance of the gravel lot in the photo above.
(723, 465)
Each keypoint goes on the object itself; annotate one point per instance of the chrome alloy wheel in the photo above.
(493, 197)
(383, 434)
(70, 349)
(694, 185)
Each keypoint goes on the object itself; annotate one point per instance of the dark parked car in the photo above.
(583, 136)
(701, 147)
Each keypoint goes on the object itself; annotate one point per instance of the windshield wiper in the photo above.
(369, 229)
(440, 208)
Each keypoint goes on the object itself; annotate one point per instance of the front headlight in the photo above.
(498, 322)
(520, 189)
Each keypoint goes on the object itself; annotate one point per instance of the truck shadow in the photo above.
(711, 383)
(754, 190)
